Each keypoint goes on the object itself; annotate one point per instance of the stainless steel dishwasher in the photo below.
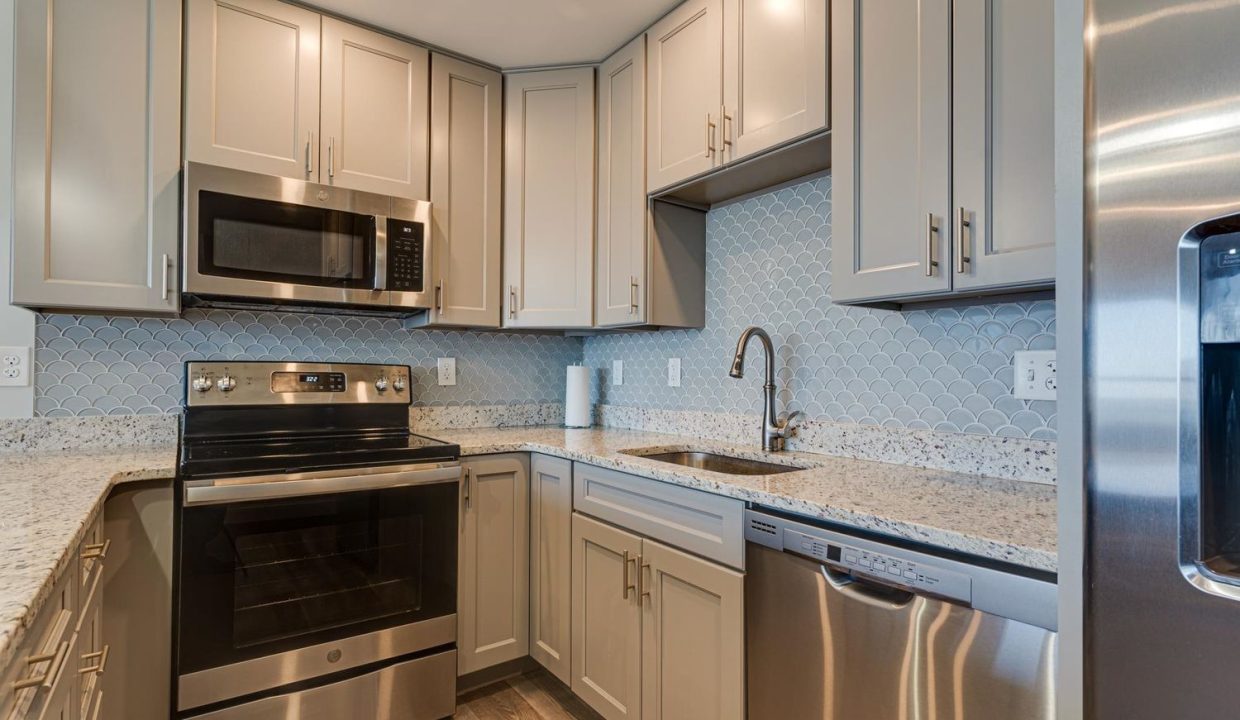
(841, 627)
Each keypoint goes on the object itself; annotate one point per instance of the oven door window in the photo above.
(271, 241)
(264, 577)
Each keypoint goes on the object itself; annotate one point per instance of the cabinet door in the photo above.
(774, 73)
(685, 92)
(890, 138)
(466, 157)
(374, 113)
(252, 86)
(551, 559)
(621, 239)
(96, 153)
(693, 637)
(606, 619)
(549, 199)
(493, 609)
(1003, 143)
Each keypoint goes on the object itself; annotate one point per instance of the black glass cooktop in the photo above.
(265, 454)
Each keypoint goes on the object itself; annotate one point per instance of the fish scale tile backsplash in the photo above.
(91, 365)
(768, 262)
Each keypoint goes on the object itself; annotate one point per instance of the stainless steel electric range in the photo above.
(316, 547)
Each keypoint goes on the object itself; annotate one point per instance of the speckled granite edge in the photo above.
(100, 432)
(998, 457)
(47, 501)
(429, 418)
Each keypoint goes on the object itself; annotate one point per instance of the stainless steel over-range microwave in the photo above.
(257, 240)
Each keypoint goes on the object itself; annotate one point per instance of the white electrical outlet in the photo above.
(673, 372)
(1035, 375)
(14, 366)
(617, 372)
(447, 371)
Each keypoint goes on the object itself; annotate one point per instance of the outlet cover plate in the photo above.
(1035, 375)
(14, 366)
(617, 372)
(447, 371)
(673, 372)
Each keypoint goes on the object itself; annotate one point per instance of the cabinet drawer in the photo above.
(700, 522)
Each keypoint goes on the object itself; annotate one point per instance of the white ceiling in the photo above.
(511, 33)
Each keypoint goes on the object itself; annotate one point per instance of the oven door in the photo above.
(287, 578)
(255, 237)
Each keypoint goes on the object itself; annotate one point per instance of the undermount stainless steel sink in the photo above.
(720, 463)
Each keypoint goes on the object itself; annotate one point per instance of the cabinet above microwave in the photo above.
(258, 240)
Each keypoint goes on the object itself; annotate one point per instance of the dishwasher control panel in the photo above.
(889, 569)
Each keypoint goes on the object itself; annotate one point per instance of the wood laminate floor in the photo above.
(535, 695)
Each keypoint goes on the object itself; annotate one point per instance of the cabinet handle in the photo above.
(726, 132)
(163, 293)
(468, 495)
(309, 143)
(931, 231)
(331, 157)
(633, 295)
(512, 301)
(643, 589)
(624, 583)
(710, 136)
(102, 655)
(439, 296)
(962, 247)
(96, 550)
(48, 678)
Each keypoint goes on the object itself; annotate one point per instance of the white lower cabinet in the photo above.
(657, 633)
(551, 555)
(493, 592)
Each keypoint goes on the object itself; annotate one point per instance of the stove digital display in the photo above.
(292, 382)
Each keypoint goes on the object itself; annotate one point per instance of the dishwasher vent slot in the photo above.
(765, 528)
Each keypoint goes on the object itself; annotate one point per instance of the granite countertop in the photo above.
(1005, 520)
(46, 502)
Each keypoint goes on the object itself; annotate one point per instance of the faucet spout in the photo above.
(773, 431)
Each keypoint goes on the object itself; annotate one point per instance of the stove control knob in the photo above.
(226, 383)
(399, 383)
(201, 384)
(381, 384)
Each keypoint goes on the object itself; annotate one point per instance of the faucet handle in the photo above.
(786, 425)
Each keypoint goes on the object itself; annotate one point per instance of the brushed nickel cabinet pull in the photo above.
(624, 583)
(512, 301)
(331, 157)
(48, 678)
(633, 295)
(962, 247)
(101, 666)
(468, 495)
(439, 296)
(163, 294)
(727, 132)
(710, 136)
(96, 550)
(643, 588)
(309, 144)
(931, 231)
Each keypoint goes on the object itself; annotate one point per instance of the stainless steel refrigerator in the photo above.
(1162, 359)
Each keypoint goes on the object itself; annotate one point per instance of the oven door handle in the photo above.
(271, 487)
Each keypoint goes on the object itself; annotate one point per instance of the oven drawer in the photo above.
(421, 689)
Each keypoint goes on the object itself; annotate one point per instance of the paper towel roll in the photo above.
(577, 398)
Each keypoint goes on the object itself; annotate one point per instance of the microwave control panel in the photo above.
(406, 256)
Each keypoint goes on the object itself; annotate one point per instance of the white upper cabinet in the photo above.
(621, 240)
(775, 73)
(1003, 143)
(685, 93)
(549, 199)
(252, 86)
(891, 149)
(96, 154)
(943, 148)
(466, 156)
(373, 117)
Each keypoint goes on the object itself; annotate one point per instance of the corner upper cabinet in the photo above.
(466, 157)
(775, 73)
(685, 93)
(549, 199)
(943, 148)
(891, 149)
(373, 112)
(252, 86)
(96, 155)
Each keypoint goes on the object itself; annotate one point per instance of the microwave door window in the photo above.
(281, 242)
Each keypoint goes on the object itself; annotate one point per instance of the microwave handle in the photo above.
(381, 252)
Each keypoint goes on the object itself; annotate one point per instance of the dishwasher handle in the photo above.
(872, 593)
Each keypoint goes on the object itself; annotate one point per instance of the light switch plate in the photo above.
(14, 366)
(447, 371)
(617, 372)
(673, 372)
(1035, 375)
